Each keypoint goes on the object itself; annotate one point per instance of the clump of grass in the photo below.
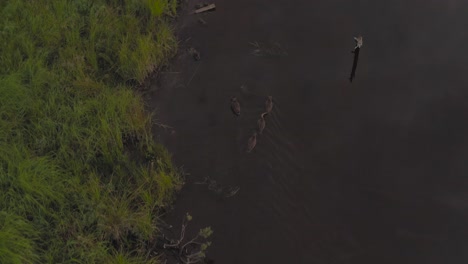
(159, 7)
(125, 258)
(76, 183)
(17, 240)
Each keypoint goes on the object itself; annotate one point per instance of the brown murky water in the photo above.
(369, 172)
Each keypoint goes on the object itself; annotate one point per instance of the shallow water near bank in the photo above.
(368, 172)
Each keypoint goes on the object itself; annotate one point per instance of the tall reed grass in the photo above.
(75, 140)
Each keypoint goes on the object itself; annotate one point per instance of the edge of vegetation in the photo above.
(76, 185)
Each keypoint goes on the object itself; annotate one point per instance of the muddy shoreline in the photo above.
(368, 172)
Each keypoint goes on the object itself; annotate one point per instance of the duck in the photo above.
(235, 106)
(269, 104)
(252, 142)
(261, 123)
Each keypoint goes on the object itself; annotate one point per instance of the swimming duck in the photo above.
(252, 142)
(261, 123)
(235, 106)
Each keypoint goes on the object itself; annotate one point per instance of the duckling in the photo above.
(235, 106)
(269, 104)
(252, 142)
(261, 123)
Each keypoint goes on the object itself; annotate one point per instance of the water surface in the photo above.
(369, 172)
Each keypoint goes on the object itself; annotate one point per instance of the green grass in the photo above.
(75, 140)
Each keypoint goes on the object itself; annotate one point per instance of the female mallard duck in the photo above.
(252, 142)
(261, 123)
(269, 104)
(235, 106)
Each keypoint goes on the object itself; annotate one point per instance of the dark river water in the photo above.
(370, 172)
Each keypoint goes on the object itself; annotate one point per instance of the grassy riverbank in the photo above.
(75, 141)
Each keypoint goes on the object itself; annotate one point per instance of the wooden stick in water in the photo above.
(205, 8)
